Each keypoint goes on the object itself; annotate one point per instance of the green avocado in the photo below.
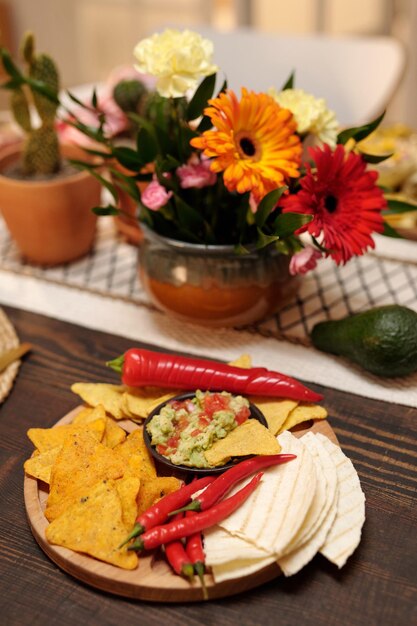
(382, 340)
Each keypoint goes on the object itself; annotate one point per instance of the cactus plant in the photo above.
(37, 89)
(129, 95)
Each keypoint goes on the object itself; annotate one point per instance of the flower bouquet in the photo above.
(255, 172)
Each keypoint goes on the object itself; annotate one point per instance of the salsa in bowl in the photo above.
(180, 430)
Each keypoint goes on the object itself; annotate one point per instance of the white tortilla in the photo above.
(296, 559)
(221, 547)
(345, 533)
(273, 514)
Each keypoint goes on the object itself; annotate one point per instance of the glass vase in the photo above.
(212, 285)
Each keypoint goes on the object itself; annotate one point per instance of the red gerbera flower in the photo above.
(344, 200)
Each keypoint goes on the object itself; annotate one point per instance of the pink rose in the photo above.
(155, 196)
(196, 175)
(304, 261)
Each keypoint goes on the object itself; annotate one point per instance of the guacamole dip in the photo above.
(183, 429)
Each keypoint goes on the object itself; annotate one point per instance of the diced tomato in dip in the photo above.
(184, 429)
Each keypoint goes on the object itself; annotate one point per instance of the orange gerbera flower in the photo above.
(253, 143)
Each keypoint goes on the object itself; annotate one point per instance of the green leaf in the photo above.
(90, 131)
(147, 146)
(169, 163)
(82, 165)
(105, 210)
(126, 183)
(398, 206)
(267, 204)
(188, 217)
(289, 84)
(12, 84)
(43, 89)
(9, 66)
(202, 95)
(94, 99)
(359, 132)
(390, 232)
(100, 153)
(77, 101)
(375, 158)
(206, 122)
(264, 239)
(129, 158)
(287, 223)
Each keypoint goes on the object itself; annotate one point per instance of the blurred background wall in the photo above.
(90, 37)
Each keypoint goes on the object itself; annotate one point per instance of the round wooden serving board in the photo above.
(153, 579)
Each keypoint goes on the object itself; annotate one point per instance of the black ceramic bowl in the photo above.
(166, 468)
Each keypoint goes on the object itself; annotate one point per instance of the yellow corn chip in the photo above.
(244, 361)
(93, 525)
(134, 446)
(140, 401)
(110, 396)
(128, 489)
(81, 463)
(153, 490)
(275, 411)
(84, 416)
(251, 437)
(113, 434)
(303, 413)
(46, 438)
(40, 465)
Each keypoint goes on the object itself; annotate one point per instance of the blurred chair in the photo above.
(357, 76)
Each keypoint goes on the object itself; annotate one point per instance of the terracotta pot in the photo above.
(51, 221)
(211, 285)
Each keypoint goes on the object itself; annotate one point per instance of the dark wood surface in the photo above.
(378, 586)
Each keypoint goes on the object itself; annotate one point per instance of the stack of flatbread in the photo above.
(312, 504)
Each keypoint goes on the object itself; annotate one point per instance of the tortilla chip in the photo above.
(47, 438)
(134, 446)
(84, 416)
(303, 413)
(110, 396)
(40, 465)
(80, 464)
(93, 525)
(113, 434)
(275, 411)
(244, 361)
(128, 489)
(140, 402)
(251, 437)
(153, 490)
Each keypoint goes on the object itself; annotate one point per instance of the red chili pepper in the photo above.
(225, 481)
(143, 367)
(188, 526)
(178, 558)
(158, 512)
(195, 553)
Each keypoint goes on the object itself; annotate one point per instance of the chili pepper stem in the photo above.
(200, 571)
(117, 363)
(187, 571)
(138, 546)
(137, 530)
(194, 505)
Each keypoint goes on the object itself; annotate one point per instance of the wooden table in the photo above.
(377, 587)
